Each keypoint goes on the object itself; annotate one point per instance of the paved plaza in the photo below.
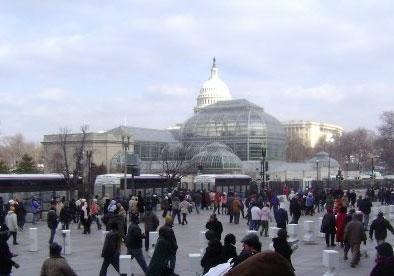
(86, 249)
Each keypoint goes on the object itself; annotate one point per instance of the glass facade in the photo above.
(217, 158)
(241, 125)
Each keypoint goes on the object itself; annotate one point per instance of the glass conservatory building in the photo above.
(241, 125)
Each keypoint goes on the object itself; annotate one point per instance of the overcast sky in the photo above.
(103, 63)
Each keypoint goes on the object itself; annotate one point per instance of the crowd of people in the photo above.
(345, 223)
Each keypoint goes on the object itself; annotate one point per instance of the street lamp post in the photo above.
(125, 145)
(331, 140)
(317, 171)
(262, 168)
(89, 154)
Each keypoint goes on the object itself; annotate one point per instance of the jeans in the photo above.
(172, 262)
(264, 227)
(184, 219)
(236, 218)
(197, 207)
(254, 225)
(328, 236)
(137, 254)
(53, 232)
(114, 260)
(178, 214)
(366, 221)
(97, 220)
(14, 234)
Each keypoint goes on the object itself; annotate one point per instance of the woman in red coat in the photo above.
(340, 225)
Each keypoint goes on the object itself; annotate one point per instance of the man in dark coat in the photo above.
(281, 217)
(229, 250)
(380, 225)
(212, 256)
(282, 246)
(6, 262)
(365, 207)
(158, 265)
(295, 210)
(215, 225)
(251, 246)
(168, 233)
(133, 242)
(52, 221)
(328, 227)
(111, 249)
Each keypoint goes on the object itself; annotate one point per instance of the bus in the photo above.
(110, 185)
(223, 183)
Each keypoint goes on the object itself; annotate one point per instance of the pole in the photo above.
(329, 167)
(125, 143)
(317, 171)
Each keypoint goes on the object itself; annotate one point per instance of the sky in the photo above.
(142, 63)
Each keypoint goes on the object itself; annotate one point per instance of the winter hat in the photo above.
(252, 240)
(385, 250)
(210, 235)
(282, 234)
(55, 249)
(168, 220)
(380, 213)
(229, 239)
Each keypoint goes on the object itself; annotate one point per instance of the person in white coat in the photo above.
(12, 223)
(255, 212)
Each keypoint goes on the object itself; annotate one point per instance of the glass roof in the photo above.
(241, 125)
(144, 134)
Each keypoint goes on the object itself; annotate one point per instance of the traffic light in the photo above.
(266, 165)
(267, 177)
(263, 152)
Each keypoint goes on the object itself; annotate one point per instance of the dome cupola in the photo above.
(213, 90)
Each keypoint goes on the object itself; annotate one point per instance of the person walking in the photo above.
(184, 206)
(12, 224)
(133, 242)
(365, 206)
(56, 265)
(52, 222)
(6, 262)
(35, 209)
(281, 217)
(94, 212)
(282, 247)
(354, 235)
(340, 225)
(255, 215)
(236, 209)
(295, 210)
(111, 249)
(213, 253)
(176, 210)
(151, 222)
(215, 225)
(164, 249)
(328, 227)
(86, 217)
(168, 233)
(65, 216)
(20, 213)
(380, 226)
(265, 216)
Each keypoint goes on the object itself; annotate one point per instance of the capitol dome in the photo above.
(213, 90)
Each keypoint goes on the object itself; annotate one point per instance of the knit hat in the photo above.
(210, 235)
(252, 240)
(282, 234)
(55, 249)
(385, 250)
(168, 220)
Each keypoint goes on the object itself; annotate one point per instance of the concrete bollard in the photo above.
(66, 242)
(125, 265)
(103, 235)
(391, 212)
(273, 234)
(153, 236)
(292, 232)
(195, 263)
(331, 261)
(320, 234)
(33, 237)
(252, 232)
(203, 241)
(309, 232)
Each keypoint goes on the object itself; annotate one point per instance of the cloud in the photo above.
(51, 94)
(168, 90)
(323, 93)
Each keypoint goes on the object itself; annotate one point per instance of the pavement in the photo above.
(86, 249)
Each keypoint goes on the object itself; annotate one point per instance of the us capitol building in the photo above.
(224, 135)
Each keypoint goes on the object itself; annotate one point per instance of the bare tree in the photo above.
(297, 151)
(72, 165)
(385, 142)
(174, 162)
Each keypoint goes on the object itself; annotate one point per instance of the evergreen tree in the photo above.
(26, 165)
(4, 167)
